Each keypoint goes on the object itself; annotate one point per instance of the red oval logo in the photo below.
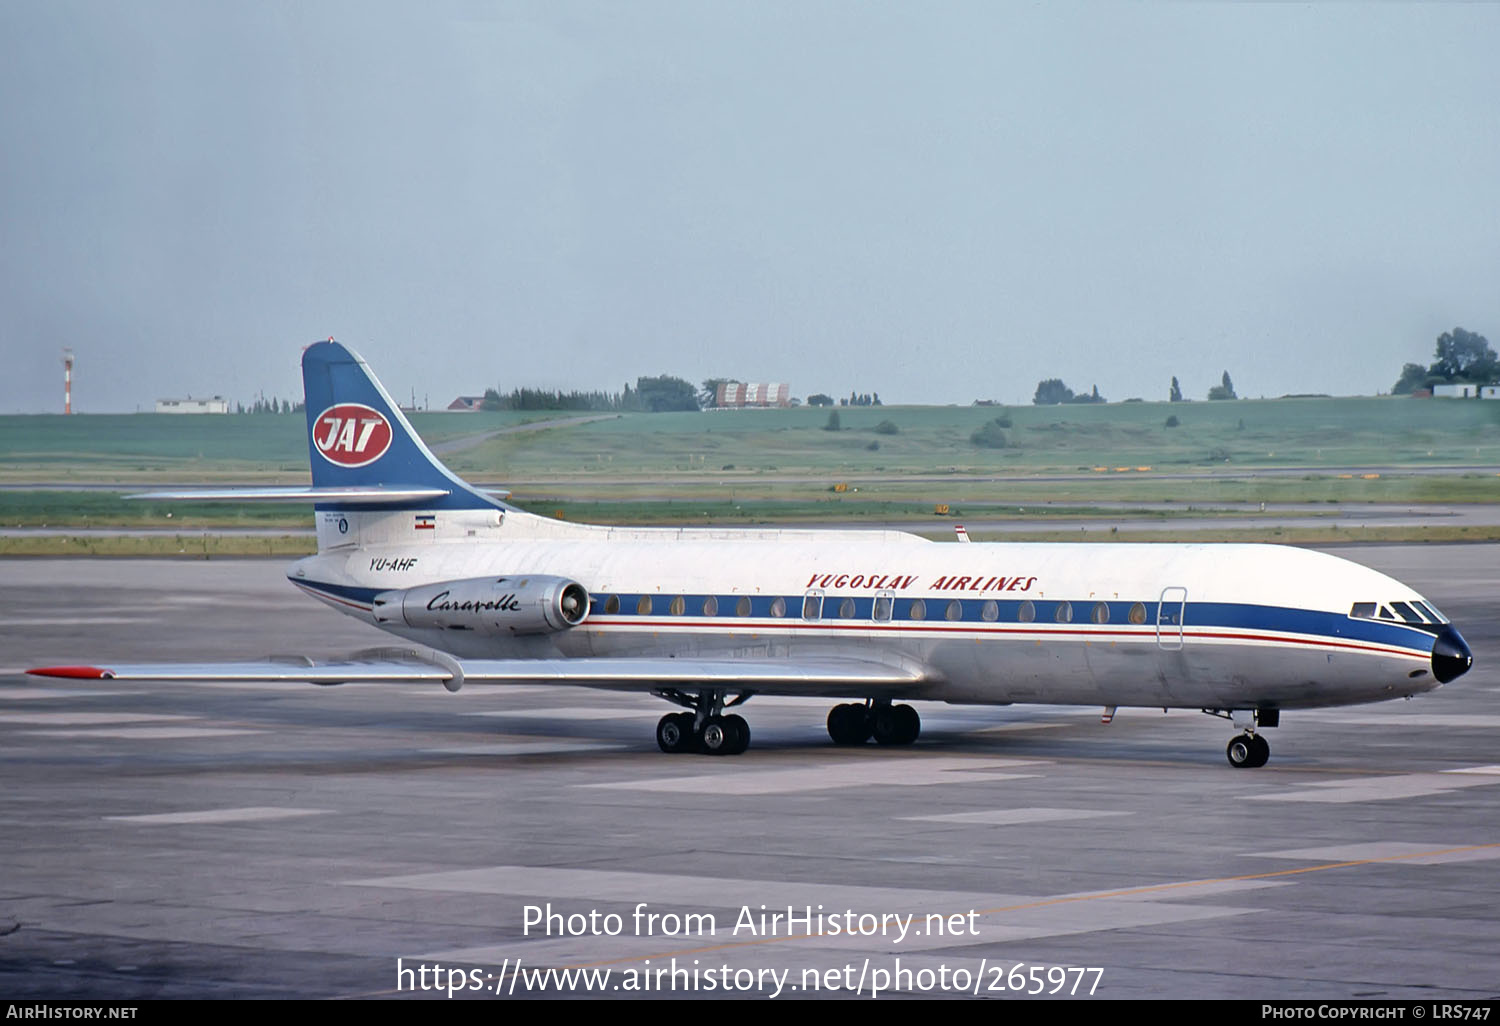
(351, 434)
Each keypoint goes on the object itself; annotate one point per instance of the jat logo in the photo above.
(351, 434)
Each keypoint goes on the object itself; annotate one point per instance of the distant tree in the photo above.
(1051, 392)
(665, 393)
(709, 396)
(1413, 377)
(1462, 356)
(1175, 396)
(990, 436)
(1092, 397)
(1465, 356)
(877, 401)
(1223, 390)
(833, 422)
(886, 427)
(819, 399)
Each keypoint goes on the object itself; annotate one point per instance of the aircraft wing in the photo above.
(825, 676)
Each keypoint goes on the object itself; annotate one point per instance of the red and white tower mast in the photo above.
(67, 359)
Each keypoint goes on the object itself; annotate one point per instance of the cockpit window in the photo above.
(1406, 612)
(1418, 614)
(1431, 612)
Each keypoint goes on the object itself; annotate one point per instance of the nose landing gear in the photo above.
(1248, 751)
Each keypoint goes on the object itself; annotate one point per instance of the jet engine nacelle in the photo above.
(488, 605)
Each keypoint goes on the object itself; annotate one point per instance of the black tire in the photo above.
(741, 734)
(848, 724)
(885, 725)
(908, 723)
(1261, 751)
(718, 737)
(1241, 752)
(674, 733)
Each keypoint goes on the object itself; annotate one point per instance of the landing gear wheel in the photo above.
(909, 724)
(849, 724)
(674, 733)
(1262, 752)
(895, 724)
(725, 735)
(742, 734)
(1248, 751)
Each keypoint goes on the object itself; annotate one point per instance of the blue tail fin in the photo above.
(357, 437)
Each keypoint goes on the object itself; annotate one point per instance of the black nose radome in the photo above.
(1451, 657)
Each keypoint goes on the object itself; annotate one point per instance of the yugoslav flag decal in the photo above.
(351, 434)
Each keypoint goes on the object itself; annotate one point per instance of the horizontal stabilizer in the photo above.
(369, 495)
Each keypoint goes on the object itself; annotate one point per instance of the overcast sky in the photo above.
(936, 201)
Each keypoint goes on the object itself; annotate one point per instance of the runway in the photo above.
(293, 841)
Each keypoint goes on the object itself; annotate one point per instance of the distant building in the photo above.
(467, 404)
(737, 394)
(218, 404)
(1466, 391)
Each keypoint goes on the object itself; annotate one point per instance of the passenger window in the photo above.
(846, 609)
(679, 604)
(990, 611)
(742, 607)
(1027, 612)
(812, 607)
(612, 605)
(710, 606)
(778, 606)
(883, 606)
(918, 610)
(955, 610)
(1065, 612)
(1100, 613)
(1138, 613)
(644, 605)
(1363, 610)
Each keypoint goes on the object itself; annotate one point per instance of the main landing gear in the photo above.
(854, 724)
(1248, 750)
(706, 729)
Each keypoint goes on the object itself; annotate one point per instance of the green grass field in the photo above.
(1221, 436)
(755, 466)
(1217, 436)
(146, 447)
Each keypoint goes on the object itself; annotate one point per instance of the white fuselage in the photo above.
(1171, 625)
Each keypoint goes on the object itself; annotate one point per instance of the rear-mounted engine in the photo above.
(488, 605)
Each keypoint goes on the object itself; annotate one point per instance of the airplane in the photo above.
(707, 618)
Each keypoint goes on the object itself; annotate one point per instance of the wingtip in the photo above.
(73, 672)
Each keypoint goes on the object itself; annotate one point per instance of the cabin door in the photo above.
(1169, 615)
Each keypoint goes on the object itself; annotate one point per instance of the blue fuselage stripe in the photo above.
(1081, 616)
